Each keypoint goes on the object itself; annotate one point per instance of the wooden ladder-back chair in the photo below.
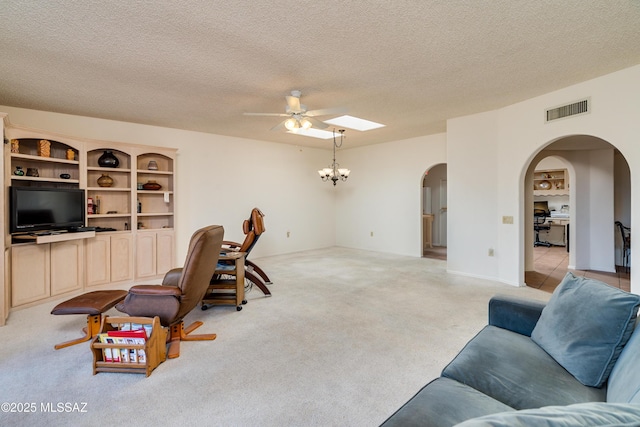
(181, 290)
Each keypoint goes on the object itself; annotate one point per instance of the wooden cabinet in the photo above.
(109, 258)
(30, 273)
(551, 182)
(39, 271)
(154, 253)
(67, 266)
(131, 244)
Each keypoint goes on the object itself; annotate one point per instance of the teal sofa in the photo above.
(574, 361)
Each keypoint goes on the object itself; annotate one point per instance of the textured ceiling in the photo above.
(409, 64)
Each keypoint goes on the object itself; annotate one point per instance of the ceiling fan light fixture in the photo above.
(291, 124)
(306, 124)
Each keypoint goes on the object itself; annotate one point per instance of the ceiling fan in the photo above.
(298, 117)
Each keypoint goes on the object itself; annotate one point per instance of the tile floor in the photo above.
(551, 265)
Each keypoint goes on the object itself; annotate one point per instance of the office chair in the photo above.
(625, 234)
(539, 218)
(181, 290)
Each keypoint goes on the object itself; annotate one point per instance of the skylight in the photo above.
(354, 123)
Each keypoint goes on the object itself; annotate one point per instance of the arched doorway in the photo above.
(434, 212)
(599, 192)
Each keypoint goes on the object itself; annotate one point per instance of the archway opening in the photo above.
(434, 212)
(584, 183)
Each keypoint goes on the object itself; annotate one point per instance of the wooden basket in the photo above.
(155, 346)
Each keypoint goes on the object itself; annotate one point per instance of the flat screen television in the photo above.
(41, 208)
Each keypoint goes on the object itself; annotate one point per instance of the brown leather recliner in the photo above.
(181, 290)
(253, 229)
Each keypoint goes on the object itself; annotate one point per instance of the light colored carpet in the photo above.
(346, 339)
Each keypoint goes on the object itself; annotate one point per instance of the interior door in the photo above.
(442, 223)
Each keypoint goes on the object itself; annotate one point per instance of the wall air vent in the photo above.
(564, 111)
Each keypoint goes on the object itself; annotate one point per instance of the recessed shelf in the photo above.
(109, 170)
(156, 214)
(43, 179)
(43, 159)
(127, 189)
(152, 172)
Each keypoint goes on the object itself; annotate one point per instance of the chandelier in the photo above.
(334, 172)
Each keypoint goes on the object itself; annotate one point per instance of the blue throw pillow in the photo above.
(584, 327)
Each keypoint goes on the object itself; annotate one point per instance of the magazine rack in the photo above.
(155, 346)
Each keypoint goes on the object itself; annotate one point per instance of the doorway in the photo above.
(596, 193)
(434, 212)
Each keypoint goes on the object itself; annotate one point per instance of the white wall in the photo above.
(220, 179)
(487, 156)
(383, 194)
(509, 138)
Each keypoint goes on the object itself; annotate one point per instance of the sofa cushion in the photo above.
(585, 325)
(579, 415)
(513, 369)
(624, 382)
(444, 402)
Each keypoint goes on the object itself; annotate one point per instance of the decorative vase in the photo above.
(153, 165)
(18, 171)
(32, 172)
(108, 160)
(65, 176)
(151, 185)
(71, 155)
(44, 148)
(15, 146)
(105, 180)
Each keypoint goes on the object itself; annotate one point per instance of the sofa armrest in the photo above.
(514, 314)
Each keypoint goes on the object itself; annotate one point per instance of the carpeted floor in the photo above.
(347, 338)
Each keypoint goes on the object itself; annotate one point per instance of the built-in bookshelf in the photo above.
(129, 203)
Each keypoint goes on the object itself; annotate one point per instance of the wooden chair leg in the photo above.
(179, 333)
(92, 329)
(260, 272)
(256, 281)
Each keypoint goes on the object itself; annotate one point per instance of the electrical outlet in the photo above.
(507, 220)
(490, 252)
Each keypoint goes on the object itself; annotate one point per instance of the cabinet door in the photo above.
(121, 257)
(67, 266)
(146, 254)
(98, 260)
(30, 277)
(164, 251)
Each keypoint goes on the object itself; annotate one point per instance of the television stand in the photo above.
(51, 237)
(80, 229)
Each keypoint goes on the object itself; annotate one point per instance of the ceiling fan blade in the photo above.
(279, 126)
(294, 104)
(326, 111)
(317, 123)
(267, 114)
